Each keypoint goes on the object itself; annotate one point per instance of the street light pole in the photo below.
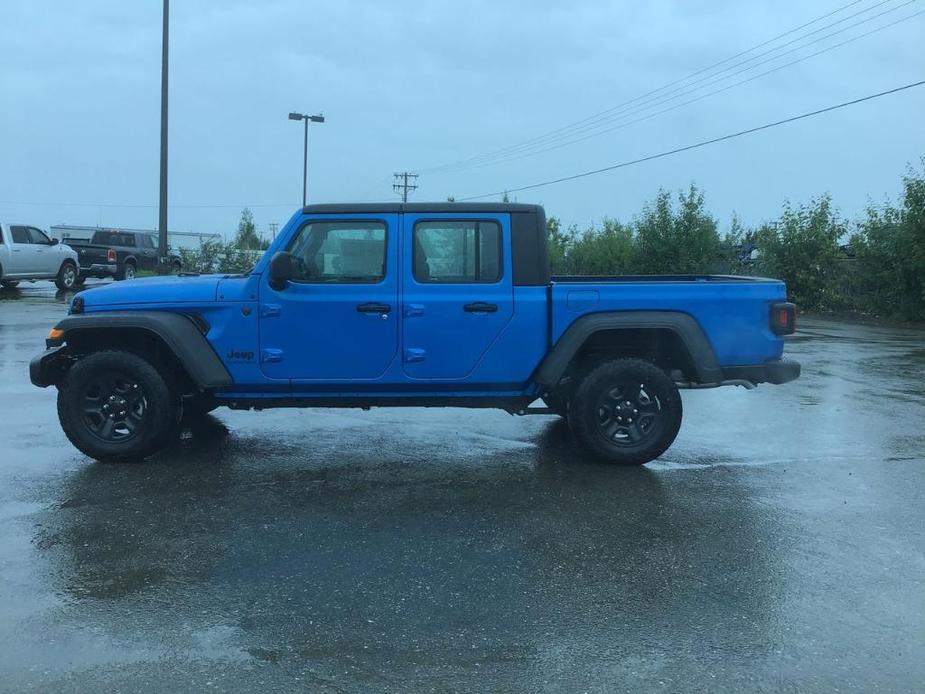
(162, 205)
(314, 119)
(305, 167)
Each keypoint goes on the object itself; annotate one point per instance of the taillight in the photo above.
(110, 256)
(783, 318)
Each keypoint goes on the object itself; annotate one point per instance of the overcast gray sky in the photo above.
(417, 85)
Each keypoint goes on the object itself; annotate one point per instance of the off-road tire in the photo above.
(127, 271)
(625, 411)
(9, 284)
(87, 385)
(67, 276)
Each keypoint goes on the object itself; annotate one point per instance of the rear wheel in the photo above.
(626, 411)
(9, 284)
(115, 406)
(127, 272)
(67, 276)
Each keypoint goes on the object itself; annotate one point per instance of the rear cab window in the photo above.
(114, 238)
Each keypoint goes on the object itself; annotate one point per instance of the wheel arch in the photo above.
(173, 338)
(670, 334)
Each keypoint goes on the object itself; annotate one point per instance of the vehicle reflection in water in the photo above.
(313, 545)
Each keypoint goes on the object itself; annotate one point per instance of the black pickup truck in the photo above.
(119, 254)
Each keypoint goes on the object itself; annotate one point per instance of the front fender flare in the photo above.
(177, 331)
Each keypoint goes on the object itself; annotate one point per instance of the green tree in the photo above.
(609, 250)
(247, 237)
(801, 248)
(560, 243)
(890, 250)
(685, 241)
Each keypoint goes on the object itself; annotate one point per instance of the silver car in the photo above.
(27, 253)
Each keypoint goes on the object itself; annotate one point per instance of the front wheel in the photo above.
(9, 284)
(67, 276)
(115, 406)
(626, 411)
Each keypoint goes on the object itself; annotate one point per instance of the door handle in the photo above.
(480, 307)
(373, 307)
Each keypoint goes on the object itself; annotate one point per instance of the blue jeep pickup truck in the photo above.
(374, 305)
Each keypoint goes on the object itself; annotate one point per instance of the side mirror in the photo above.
(280, 269)
(54, 242)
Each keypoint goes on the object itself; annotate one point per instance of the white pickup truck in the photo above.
(27, 253)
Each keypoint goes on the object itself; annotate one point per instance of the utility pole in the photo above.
(401, 184)
(273, 229)
(162, 207)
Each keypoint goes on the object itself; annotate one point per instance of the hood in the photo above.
(172, 289)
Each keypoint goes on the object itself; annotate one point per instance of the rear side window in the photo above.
(352, 252)
(457, 251)
(20, 234)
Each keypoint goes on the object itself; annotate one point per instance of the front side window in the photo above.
(457, 252)
(147, 241)
(339, 252)
(38, 236)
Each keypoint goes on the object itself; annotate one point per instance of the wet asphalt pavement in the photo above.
(778, 546)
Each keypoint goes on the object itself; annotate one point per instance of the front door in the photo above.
(45, 254)
(337, 319)
(457, 294)
(147, 252)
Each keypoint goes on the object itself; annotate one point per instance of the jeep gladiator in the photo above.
(375, 305)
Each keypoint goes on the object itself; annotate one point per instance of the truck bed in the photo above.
(732, 310)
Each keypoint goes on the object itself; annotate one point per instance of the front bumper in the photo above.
(776, 371)
(47, 368)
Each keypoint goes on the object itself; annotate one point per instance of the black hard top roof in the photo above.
(364, 207)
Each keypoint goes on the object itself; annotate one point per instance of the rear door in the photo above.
(337, 319)
(457, 291)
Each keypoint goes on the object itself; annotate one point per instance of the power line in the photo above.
(697, 145)
(625, 124)
(597, 120)
(594, 129)
(139, 206)
(401, 184)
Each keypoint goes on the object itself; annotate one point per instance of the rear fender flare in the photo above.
(555, 364)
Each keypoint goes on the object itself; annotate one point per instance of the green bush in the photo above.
(801, 248)
(890, 250)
